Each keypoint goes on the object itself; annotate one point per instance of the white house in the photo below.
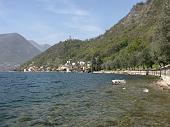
(82, 63)
(68, 62)
(73, 64)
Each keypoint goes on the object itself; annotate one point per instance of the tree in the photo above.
(133, 60)
(147, 58)
(96, 63)
(93, 64)
(161, 42)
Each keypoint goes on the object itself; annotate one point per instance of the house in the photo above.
(25, 70)
(73, 64)
(65, 67)
(82, 63)
(31, 69)
(68, 62)
(88, 64)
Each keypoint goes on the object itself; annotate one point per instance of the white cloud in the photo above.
(65, 7)
(68, 11)
(84, 25)
(78, 23)
(85, 28)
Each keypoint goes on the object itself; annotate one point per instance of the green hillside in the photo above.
(141, 39)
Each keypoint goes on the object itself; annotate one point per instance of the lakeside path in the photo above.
(163, 83)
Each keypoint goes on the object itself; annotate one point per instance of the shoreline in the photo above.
(163, 85)
(163, 82)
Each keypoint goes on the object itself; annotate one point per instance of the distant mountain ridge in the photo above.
(140, 39)
(15, 50)
(41, 47)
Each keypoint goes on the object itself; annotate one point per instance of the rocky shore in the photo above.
(163, 85)
(163, 82)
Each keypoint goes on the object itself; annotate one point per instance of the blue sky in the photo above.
(51, 21)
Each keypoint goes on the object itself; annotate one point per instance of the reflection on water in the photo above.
(81, 100)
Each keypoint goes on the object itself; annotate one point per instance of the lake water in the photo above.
(81, 100)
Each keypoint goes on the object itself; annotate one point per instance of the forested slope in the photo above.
(142, 38)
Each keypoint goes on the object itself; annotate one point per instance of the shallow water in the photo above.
(81, 100)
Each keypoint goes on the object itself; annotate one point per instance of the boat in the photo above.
(117, 82)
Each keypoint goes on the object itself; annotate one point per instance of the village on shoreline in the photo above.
(69, 66)
(82, 66)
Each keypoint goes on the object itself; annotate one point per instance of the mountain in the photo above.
(45, 47)
(15, 50)
(140, 39)
(42, 47)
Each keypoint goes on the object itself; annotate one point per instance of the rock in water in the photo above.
(145, 90)
(117, 82)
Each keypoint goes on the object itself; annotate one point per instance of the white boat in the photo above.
(117, 82)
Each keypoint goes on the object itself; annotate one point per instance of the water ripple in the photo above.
(80, 100)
